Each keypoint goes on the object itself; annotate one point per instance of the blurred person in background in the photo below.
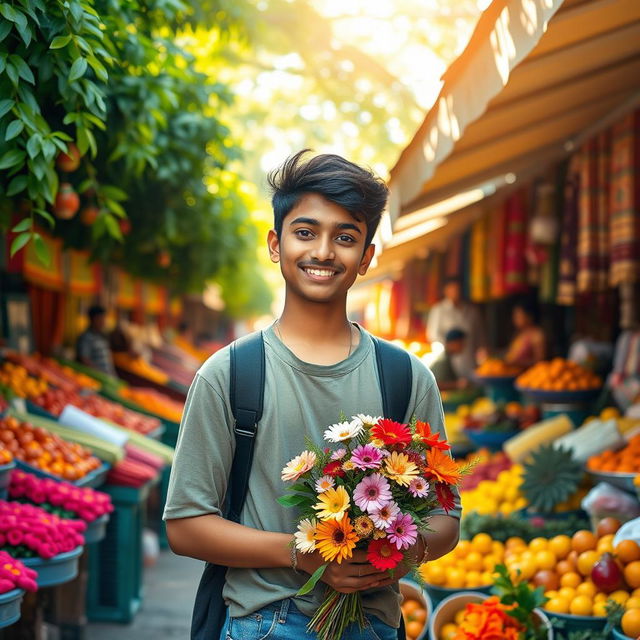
(442, 367)
(92, 347)
(624, 379)
(529, 345)
(455, 313)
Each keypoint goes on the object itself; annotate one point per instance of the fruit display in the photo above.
(60, 498)
(414, 610)
(486, 466)
(154, 402)
(17, 379)
(131, 473)
(45, 450)
(4, 404)
(470, 565)
(558, 375)
(29, 531)
(5, 455)
(499, 496)
(14, 575)
(580, 573)
(140, 367)
(630, 621)
(496, 368)
(521, 446)
(592, 437)
(484, 415)
(54, 401)
(625, 460)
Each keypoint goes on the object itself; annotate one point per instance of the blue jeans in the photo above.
(283, 621)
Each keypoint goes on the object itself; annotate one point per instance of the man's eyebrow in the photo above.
(316, 223)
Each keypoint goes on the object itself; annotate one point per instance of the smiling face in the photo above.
(321, 250)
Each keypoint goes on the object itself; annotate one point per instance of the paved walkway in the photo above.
(169, 591)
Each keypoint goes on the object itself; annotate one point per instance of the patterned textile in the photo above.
(434, 278)
(479, 284)
(453, 258)
(625, 201)
(127, 293)
(593, 216)
(496, 253)
(84, 278)
(515, 263)
(46, 276)
(569, 238)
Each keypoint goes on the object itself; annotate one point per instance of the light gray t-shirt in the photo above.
(301, 400)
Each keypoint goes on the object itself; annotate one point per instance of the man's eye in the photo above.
(303, 233)
(346, 238)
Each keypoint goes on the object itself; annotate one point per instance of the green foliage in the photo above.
(112, 77)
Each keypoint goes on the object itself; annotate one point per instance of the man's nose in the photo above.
(322, 249)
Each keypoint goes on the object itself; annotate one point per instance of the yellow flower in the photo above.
(332, 504)
(363, 526)
(349, 466)
(400, 468)
(336, 539)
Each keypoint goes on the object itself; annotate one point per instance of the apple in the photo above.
(70, 161)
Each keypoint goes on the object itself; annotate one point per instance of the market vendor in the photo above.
(92, 347)
(529, 344)
(443, 368)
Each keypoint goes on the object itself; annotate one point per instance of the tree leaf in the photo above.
(78, 69)
(98, 67)
(12, 72)
(47, 216)
(23, 68)
(17, 185)
(113, 192)
(25, 224)
(42, 250)
(115, 208)
(6, 106)
(12, 158)
(112, 227)
(14, 129)
(19, 242)
(60, 42)
(8, 12)
(312, 581)
(5, 28)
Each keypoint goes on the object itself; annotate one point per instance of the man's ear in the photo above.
(273, 242)
(367, 257)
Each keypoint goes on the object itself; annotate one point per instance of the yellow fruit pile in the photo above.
(140, 367)
(563, 564)
(16, 378)
(499, 496)
(469, 565)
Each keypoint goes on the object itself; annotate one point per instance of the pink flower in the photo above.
(372, 492)
(338, 454)
(402, 531)
(418, 487)
(366, 457)
(384, 515)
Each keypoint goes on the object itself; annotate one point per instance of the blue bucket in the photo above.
(10, 607)
(57, 570)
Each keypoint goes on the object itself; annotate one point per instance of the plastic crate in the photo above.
(5, 478)
(114, 592)
(10, 607)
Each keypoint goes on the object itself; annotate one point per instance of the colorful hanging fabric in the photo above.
(515, 263)
(84, 277)
(593, 215)
(568, 261)
(479, 289)
(154, 298)
(434, 278)
(46, 276)
(496, 253)
(453, 258)
(625, 201)
(126, 291)
(47, 318)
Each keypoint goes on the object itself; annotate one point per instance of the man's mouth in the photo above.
(320, 272)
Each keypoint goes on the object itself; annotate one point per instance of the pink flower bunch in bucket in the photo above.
(14, 575)
(27, 531)
(61, 498)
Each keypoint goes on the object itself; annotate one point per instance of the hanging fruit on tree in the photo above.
(125, 226)
(89, 214)
(69, 161)
(164, 259)
(67, 202)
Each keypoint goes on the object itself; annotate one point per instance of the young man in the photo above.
(318, 364)
(92, 347)
(442, 367)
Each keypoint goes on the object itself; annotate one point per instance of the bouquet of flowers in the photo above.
(374, 491)
(61, 498)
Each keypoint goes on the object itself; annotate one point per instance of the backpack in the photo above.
(246, 394)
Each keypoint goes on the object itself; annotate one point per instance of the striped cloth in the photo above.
(625, 201)
(593, 216)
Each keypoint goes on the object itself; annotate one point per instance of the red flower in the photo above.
(390, 432)
(383, 555)
(334, 469)
(445, 496)
(431, 438)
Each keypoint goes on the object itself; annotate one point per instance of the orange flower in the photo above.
(441, 467)
(489, 620)
(430, 438)
(336, 539)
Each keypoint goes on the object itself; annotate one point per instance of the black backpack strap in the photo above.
(247, 398)
(394, 372)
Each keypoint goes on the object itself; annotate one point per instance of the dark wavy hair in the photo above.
(354, 188)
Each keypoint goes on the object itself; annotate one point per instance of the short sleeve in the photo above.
(203, 457)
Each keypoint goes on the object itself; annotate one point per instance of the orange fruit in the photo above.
(600, 608)
(538, 544)
(583, 540)
(455, 579)
(449, 631)
(515, 541)
(473, 561)
(587, 589)
(581, 606)
(570, 580)
(586, 560)
(463, 548)
(414, 628)
(473, 579)
(482, 543)
(632, 574)
(557, 605)
(631, 623)
(627, 551)
(561, 546)
(607, 526)
(632, 603)
(409, 606)
(435, 574)
(605, 544)
(564, 567)
(568, 593)
(620, 596)
(545, 560)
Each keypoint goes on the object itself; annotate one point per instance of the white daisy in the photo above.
(324, 483)
(366, 420)
(343, 431)
(305, 536)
